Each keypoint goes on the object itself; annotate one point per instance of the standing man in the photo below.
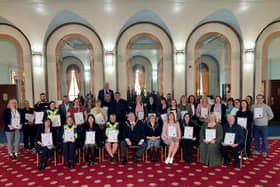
(63, 108)
(43, 104)
(104, 91)
(262, 114)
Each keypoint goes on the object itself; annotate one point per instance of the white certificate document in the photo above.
(79, 118)
(90, 137)
(163, 117)
(39, 117)
(69, 135)
(242, 122)
(172, 131)
(113, 136)
(99, 119)
(56, 121)
(258, 112)
(234, 111)
(218, 116)
(188, 132)
(29, 117)
(210, 134)
(229, 138)
(140, 115)
(183, 112)
(204, 112)
(47, 139)
(152, 114)
(15, 122)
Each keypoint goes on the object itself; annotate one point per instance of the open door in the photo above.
(274, 100)
(7, 91)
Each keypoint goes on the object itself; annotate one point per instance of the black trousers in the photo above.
(187, 147)
(44, 154)
(234, 150)
(138, 152)
(89, 151)
(29, 133)
(68, 150)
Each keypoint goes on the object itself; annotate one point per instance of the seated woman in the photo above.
(188, 143)
(69, 137)
(209, 148)
(153, 131)
(171, 135)
(45, 149)
(111, 145)
(90, 144)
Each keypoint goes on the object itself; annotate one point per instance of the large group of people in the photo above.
(112, 122)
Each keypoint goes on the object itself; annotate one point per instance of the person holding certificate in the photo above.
(100, 117)
(13, 120)
(112, 137)
(203, 110)
(151, 107)
(138, 108)
(77, 112)
(171, 135)
(220, 110)
(133, 135)
(234, 139)
(211, 136)
(45, 142)
(262, 114)
(190, 133)
(162, 110)
(69, 137)
(90, 141)
(244, 118)
(232, 106)
(153, 131)
(173, 108)
(29, 128)
(192, 105)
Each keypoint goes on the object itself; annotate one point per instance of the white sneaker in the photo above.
(167, 160)
(171, 161)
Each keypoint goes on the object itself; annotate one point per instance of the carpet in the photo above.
(256, 171)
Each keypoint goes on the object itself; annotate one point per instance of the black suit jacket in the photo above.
(135, 134)
(101, 95)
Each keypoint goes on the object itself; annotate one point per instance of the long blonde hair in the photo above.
(10, 102)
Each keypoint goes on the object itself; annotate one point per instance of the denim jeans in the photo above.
(261, 132)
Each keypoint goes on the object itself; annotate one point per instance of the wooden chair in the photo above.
(161, 153)
(100, 152)
(104, 150)
(134, 147)
(37, 158)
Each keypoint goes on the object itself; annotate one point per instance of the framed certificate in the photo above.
(113, 136)
(47, 139)
(29, 117)
(210, 134)
(188, 132)
(69, 135)
(204, 112)
(218, 116)
(39, 117)
(242, 122)
(258, 113)
(229, 138)
(183, 112)
(99, 119)
(90, 137)
(172, 131)
(140, 115)
(163, 117)
(15, 122)
(79, 118)
(56, 121)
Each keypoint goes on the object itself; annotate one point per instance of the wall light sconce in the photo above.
(180, 57)
(37, 62)
(249, 59)
(109, 58)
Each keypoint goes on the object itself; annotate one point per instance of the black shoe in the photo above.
(188, 161)
(124, 161)
(87, 163)
(134, 158)
(237, 164)
(91, 163)
(17, 156)
(114, 159)
(11, 157)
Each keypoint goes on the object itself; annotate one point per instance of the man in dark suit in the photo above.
(104, 91)
(119, 107)
(133, 135)
(63, 108)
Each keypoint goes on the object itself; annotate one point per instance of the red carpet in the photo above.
(257, 171)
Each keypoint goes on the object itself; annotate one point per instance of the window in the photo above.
(73, 90)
